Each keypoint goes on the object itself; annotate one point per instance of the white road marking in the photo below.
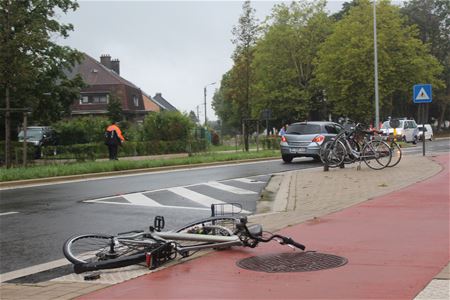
(229, 188)
(140, 199)
(161, 206)
(8, 213)
(34, 269)
(247, 180)
(205, 200)
(194, 196)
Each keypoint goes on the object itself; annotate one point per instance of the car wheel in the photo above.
(317, 158)
(431, 138)
(404, 139)
(287, 158)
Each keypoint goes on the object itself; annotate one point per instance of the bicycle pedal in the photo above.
(92, 276)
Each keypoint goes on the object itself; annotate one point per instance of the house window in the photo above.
(135, 100)
(94, 99)
(84, 100)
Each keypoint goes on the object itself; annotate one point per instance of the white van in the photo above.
(407, 130)
(428, 132)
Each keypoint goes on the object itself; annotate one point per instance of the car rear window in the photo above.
(303, 129)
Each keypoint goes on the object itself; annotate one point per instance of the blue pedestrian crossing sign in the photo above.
(422, 93)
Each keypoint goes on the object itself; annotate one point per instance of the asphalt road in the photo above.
(43, 217)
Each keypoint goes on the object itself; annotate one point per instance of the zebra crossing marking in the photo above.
(140, 199)
(194, 196)
(205, 201)
(229, 188)
(248, 180)
(8, 213)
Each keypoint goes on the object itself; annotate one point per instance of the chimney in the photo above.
(115, 66)
(105, 60)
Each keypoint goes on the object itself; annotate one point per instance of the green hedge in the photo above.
(17, 152)
(92, 151)
(270, 142)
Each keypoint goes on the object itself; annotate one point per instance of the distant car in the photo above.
(304, 139)
(428, 132)
(39, 136)
(407, 130)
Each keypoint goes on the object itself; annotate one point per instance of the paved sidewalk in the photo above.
(307, 197)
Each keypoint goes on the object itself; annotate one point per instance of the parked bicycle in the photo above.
(396, 151)
(154, 247)
(356, 145)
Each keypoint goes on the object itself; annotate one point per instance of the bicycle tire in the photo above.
(396, 154)
(377, 155)
(91, 248)
(333, 153)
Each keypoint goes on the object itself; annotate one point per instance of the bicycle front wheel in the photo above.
(377, 155)
(333, 153)
(396, 154)
(91, 248)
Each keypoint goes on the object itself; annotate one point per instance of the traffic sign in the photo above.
(422, 93)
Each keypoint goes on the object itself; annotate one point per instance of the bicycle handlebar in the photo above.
(284, 239)
(290, 241)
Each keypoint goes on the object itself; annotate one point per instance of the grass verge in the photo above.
(56, 170)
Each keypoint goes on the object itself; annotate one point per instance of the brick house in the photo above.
(103, 81)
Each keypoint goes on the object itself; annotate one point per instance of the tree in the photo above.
(283, 63)
(31, 64)
(193, 117)
(225, 107)
(345, 63)
(432, 19)
(115, 112)
(245, 37)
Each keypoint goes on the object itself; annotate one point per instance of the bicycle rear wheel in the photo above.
(396, 154)
(377, 155)
(91, 248)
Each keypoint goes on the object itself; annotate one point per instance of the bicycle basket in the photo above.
(226, 209)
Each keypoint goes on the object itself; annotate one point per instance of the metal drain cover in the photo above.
(292, 262)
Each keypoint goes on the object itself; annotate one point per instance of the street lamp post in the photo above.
(377, 109)
(204, 92)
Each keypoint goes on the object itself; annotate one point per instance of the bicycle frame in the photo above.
(212, 241)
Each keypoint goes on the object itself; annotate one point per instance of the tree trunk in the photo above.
(7, 129)
(441, 117)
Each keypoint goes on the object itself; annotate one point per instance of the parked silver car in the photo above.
(304, 139)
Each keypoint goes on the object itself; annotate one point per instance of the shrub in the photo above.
(167, 126)
(81, 130)
(17, 152)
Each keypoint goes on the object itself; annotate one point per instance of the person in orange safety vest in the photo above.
(113, 138)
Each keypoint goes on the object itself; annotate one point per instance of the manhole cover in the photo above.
(292, 262)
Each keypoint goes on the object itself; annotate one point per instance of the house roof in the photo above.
(158, 98)
(93, 73)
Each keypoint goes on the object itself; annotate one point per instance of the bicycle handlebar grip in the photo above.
(290, 241)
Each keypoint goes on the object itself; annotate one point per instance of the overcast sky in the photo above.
(171, 47)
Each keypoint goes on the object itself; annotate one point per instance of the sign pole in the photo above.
(422, 95)
(424, 105)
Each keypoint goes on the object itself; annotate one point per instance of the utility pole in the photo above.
(377, 109)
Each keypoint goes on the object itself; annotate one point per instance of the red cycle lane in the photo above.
(395, 244)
